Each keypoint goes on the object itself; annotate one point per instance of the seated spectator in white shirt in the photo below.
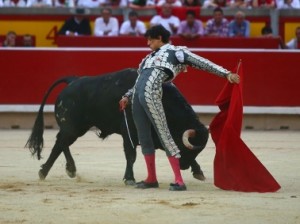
(90, 3)
(11, 3)
(133, 26)
(64, 3)
(191, 27)
(288, 4)
(101, 3)
(106, 25)
(166, 19)
(39, 3)
(174, 3)
(295, 42)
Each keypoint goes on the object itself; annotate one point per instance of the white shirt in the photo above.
(112, 26)
(8, 3)
(292, 44)
(90, 3)
(177, 3)
(165, 22)
(31, 3)
(97, 3)
(281, 5)
(139, 29)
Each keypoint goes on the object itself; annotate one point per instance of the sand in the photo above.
(98, 195)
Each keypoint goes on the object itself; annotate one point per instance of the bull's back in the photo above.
(103, 86)
(93, 100)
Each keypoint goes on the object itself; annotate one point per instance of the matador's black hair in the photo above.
(155, 31)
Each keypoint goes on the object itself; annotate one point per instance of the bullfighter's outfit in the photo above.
(162, 65)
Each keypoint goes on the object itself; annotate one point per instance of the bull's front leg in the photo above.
(197, 172)
(130, 143)
(130, 155)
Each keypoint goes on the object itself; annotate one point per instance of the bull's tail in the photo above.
(35, 142)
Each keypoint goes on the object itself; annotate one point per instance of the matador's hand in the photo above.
(233, 78)
(123, 103)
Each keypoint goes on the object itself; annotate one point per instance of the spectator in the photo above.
(101, 3)
(89, 3)
(13, 3)
(190, 28)
(139, 4)
(295, 42)
(64, 3)
(106, 25)
(263, 4)
(78, 24)
(239, 27)
(39, 3)
(267, 31)
(240, 4)
(218, 25)
(191, 3)
(215, 4)
(114, 3)
(10, 39)
(166, 19)
(133, 26)
(174, 3)
(27, 40)
(288, 4)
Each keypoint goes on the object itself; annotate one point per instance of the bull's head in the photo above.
(194, 141)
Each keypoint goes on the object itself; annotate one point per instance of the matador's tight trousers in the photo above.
(147, 109)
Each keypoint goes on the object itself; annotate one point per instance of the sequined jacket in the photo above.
(174, 60)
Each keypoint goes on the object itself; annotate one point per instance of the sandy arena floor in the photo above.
(98, 195)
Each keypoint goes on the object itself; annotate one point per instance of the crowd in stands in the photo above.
(242, 4)
(189, 27)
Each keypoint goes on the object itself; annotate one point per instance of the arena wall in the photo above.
(270, 85)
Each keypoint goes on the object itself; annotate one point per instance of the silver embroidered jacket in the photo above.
(175, 59)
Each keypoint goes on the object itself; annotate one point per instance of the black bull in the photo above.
(93, 102)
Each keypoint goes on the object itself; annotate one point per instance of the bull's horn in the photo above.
(185, 138)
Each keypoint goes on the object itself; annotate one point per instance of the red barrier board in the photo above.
(270, 76)
(201, 42)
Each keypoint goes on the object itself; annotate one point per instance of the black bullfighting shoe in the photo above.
(145, 185)
(177, 187)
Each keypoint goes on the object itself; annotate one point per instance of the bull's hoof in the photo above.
(41, 175)
(199, 176)
(129, 182)
(71, 174)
